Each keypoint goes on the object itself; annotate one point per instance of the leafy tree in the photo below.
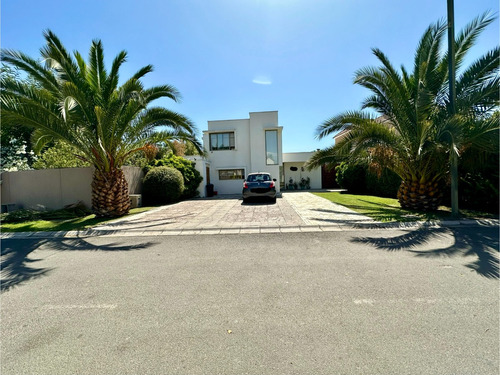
(414, 129)
(61, 155)
(81, 103)
(182, 148)
(15, 155)
(15, 148)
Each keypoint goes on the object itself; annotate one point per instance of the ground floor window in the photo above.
(231, 174)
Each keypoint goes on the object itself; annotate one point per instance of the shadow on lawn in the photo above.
(384, 212)
(18, 266)
(480, 242)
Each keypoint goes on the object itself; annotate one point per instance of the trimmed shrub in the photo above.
(162, 185)
(385, 185)
(20, 216)
(359, 179)
(71, 211)
(190, 174)
(351, 177)
(477, 192)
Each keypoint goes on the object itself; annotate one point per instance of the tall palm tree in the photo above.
(81, 103)
(413, 128)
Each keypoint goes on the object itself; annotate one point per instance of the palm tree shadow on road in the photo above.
(482, 243)
(17, 266)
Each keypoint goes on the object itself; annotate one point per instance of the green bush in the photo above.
(67, 213)
(477, 192)
(359, 179)
(162, 185)
(385, 185)
(60, 155)
(190, 174)
(351, 177)
(20, 216)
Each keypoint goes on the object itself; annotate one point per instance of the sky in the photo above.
(232, 57)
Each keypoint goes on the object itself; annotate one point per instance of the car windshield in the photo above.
(258, 177)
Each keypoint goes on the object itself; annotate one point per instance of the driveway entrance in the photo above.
(293, 211)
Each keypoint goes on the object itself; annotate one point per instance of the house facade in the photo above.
(296, 176)
(235, 148)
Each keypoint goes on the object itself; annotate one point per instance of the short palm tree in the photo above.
(81, 103)
(413, 130)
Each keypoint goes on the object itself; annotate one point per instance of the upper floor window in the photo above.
(222, 141)
(271, 147)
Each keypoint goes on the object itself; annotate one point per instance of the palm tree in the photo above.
(81, 103)
(413, 128)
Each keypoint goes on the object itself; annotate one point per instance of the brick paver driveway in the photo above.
(293, 210)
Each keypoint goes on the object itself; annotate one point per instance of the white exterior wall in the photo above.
(201, 165)
(298, 160)
(249, 153)
(56, 188)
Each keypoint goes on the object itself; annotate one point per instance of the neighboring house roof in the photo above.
(297, 157)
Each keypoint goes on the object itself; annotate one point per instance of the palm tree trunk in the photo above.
(110, 196)
(414, 195)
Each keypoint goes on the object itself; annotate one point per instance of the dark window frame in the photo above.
(277, 147)
(238, 176)
(231, 140)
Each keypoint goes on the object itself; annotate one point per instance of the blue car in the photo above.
(259, 185)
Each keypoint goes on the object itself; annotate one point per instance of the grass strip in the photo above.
(85, 222)
(389, 210)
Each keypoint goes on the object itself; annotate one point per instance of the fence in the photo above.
(56, 188)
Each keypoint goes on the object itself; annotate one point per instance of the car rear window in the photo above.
(258, 177)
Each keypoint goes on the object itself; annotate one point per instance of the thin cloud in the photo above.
(262, 80)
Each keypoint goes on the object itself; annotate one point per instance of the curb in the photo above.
(252, 230)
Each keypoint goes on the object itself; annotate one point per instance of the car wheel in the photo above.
(245, 200)
(273, 200)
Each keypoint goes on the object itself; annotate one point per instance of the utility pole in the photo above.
(451, 77)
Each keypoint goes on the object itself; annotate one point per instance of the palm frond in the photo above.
(97, 74)
(467, 37)
(342, 122)
(30, 66)
(164, 91)
(326, 157)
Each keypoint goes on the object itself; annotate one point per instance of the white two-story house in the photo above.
(235, 148)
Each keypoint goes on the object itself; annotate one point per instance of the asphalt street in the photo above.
(421, 301)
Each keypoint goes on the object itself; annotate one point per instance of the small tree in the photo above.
(61, 155)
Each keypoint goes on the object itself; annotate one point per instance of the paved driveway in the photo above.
(290, 213)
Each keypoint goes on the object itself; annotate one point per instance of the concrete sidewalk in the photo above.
(293, 212)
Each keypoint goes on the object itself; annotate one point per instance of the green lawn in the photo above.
(388, 209)
(64, 225)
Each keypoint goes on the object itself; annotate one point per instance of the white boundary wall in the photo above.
(55, 188)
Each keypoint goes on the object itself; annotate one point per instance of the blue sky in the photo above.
(232, 57)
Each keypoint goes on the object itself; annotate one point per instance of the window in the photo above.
(271, 147)
(258, 177)
(221, 141)
(231, 174)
